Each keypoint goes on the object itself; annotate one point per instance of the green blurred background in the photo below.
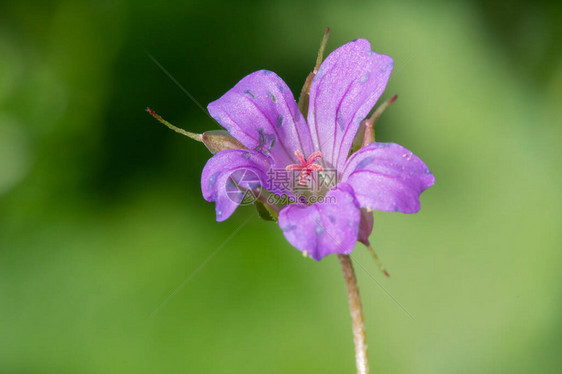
(102, 222)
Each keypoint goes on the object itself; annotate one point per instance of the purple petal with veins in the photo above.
(326, 227)
(387, 176)
(345, 89)
(246, 168)
(260, 111)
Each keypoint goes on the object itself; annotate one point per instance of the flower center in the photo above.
(306, 166)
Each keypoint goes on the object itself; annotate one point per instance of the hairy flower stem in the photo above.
(359, 338)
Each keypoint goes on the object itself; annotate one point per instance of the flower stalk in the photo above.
(359, 337)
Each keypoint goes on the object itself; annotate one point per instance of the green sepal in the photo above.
(265, 212)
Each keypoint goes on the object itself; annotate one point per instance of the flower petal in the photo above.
(387, 176)
(228, 168)
(325, 227)
(346, 87)
(260, 111)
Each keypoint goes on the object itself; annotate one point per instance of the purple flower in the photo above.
(332, 191)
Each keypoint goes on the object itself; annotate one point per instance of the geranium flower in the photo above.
(262, 114)
(322, 177)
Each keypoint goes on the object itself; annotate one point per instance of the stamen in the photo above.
(306, 166)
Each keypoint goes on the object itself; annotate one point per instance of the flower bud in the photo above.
(220, 140)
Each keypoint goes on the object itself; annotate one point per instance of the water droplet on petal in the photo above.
(212, 182)
(407, 156)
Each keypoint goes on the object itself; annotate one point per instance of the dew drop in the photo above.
(212, 182)
(407, 156)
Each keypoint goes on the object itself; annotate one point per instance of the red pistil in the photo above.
(306, 166)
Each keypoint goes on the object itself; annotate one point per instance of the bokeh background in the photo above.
(112, 262)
